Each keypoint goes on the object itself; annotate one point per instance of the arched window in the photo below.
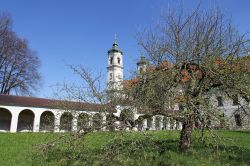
(220, 101)
(238, 120)
(235, 100)
(110, 76)
(141, 70)
(111, 60)
(118, 60)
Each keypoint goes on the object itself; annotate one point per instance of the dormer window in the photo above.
(118, 60)
(111, 60)
(220, 101)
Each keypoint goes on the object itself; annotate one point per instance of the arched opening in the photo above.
(158, 120)
(25, 121)
(66, 121)
(119, 60)
(165, 122)
(140, 126)
(149, 123)
(127, 118)
(177, 125)
(83, 122)
(140, 70)
(111, 60)
(5, 119)
(220, 101)
(238, 120)
(172, 124)
(235, 100)
(110, 119)
(110, 76)
(47, 121)
(97, 121)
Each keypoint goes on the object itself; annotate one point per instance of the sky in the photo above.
(73, 32)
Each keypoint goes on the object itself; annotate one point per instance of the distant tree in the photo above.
(18, 63)
(194, 56)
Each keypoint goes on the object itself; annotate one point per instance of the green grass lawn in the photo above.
(125, 148)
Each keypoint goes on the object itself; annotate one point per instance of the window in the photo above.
(119, 76)
(220, 101)
(235, 100)
(110, 76)
(118, 60)
(111, 60)
(238, 120)
(141, 70)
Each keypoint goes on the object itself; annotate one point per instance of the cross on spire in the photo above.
(115, 39)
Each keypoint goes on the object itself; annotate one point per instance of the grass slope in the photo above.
(126, 148)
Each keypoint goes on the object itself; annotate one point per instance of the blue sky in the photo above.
(81, 31)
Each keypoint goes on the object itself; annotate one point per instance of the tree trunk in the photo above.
(186, 134)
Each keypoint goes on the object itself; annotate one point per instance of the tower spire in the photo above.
(115, 67)
(115, 44)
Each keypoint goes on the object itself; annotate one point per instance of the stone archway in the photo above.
(97, 121)
(83, 121)
(165, 122)
(127, 117)
(140, 126)
(149, 123)
(25, 121)
(66, 121)
(158, 121)
(47, 121)
(5, 119)
(110, 122)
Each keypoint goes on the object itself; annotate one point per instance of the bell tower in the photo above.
(142, 65)
(115, 67)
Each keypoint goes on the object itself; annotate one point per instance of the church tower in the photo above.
(142, 65)
(115, 68)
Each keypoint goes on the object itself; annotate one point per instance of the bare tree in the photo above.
(18, 63)
(194, 55)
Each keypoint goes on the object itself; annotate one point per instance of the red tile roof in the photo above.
(10, 100)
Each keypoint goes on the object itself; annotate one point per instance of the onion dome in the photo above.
(115, 47)
(142, 61)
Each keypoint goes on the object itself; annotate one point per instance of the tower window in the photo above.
(141, 70)
(220, 101)
(119, 76)
(118, 60)
(111, 60)
(110, 76)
